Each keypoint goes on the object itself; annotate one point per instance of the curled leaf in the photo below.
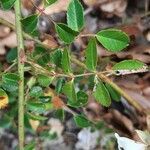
(129, 66)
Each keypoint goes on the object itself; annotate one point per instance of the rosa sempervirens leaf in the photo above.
(7, 4)
(65, 33)
(36, 117)
(10, 82)
(65, 61)
(81, 121)
(101, 94)
(75, 17)
(56, 57)
(91, 55)
(36, 91)
(82, 99)
(129, 65)
(113, 39)
(30, 23)
(113, 93)
(44, 81)
(35, 107)
(69, 91)
(49, 2)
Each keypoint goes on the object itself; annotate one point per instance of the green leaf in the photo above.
(36, 91)
(48, 136)
(36, 107)
(11, 55)
(30, 146)
(44, 81)
(75, 17)
(101, 94)
(82, 99)
(60, 114)
(91, 55)
(81, 121)
(31, 82)
(44, 60)
(36, 117)
(10, 78)
(113, 39)
(113, 93)
(7, 4)
(10, 82)
(65, 33)
(65, 61)
(30, 23)
(45, 99)
(56, 57)
(49, 2)
(5, 123)
(129, 65)
(39, 50)
(69, 91)
(10, 87)
(59, 85)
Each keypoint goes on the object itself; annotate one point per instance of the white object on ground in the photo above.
(87, 140)
(128, 144)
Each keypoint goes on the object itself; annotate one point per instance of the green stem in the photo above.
(134, 103)
(77, 62)
(21, 56)
(10, 67)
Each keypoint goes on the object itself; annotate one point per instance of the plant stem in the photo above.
(116, 87)
(10, 67)
(21, 54)
(119, 90)
(77, 62)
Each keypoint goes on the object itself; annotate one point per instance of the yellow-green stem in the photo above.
(21, 56)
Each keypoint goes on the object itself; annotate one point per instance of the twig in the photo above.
(134, 103)
(77, 62)
(10, 67)
(41, 11)
(55, 74)
(21, 54)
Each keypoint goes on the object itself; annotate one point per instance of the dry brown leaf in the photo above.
(139, 98)
(49, 92)
(9, 41)
(91, 2)
(8, 15)
(34, 124)
(49, 41)
(131, 30)
(121, 119)
(4, 31)
(57, 7)
(57, 102)
(95, 2)
(119, 122)
(146, 91)
(148, 122)
(116, 7)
